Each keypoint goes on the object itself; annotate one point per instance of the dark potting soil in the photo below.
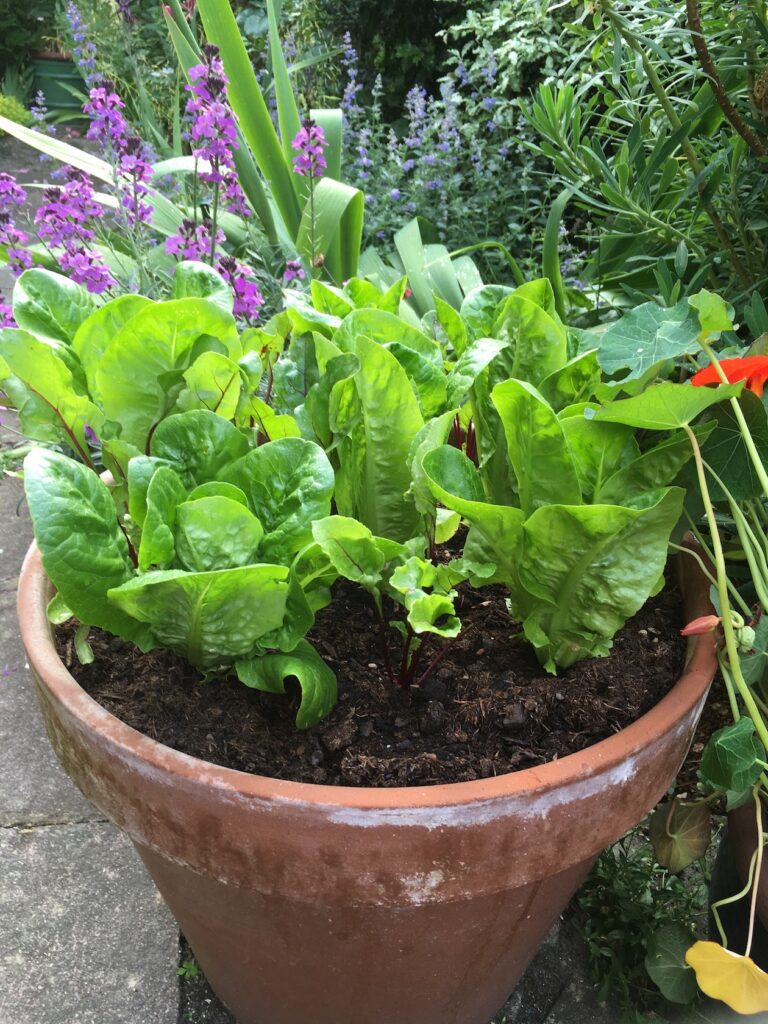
(488, 708)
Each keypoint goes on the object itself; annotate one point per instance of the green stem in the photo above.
(214, 219)
(708, 552)
(729, 687)
(758, 865)
(722, 587)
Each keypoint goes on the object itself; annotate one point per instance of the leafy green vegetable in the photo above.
(318, 683)
(50, 306)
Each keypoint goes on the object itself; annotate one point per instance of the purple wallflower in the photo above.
(86, 267)
(104, 107)
(19, 258)
(310, 142)
(124, 9)
(11, 193)
(213, 131)
(193, 241)
(234, 197)
(6, 314)
(133, 174)
(239, 276)
(293, 271)
(67, 211)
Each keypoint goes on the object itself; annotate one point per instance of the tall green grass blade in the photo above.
(287, 112)
(550, 257)
(250, 109)
(338, 211)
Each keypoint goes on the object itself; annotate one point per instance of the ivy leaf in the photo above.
(680, 833)
(666, 964)
(730, 758)
(725, 452)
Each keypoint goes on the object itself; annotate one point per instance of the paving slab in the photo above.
(85, 937)
(34, 788)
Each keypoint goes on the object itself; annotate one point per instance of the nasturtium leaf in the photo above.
(289, 484)
(83, 549)
(318, 683)
(666, 965)
(755, 664)
(50, 306)
(141, 370)
(726, 454)
(215, 533)
(715, 314)
(211, 618)
(731, 757)
(734, 979)
(164, 495)
(351, 548)
(212, 382)
(192, 279)
(537, 447)
(95, 334)
(479, 308)
(198, 444)
(666, 406)
(680, 833)
(42, 389)
(646, 336)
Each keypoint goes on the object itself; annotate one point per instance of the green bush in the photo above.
(13, 110)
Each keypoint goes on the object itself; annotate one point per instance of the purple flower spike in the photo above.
(293, 271)
(86, 267)
(310, 142)
(6, 314)
(11, 193)
(248, 298)
(104, 107)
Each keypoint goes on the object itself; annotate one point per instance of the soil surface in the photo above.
(487, 709)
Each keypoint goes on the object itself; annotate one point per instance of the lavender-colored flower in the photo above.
(124, 9)
(293, 271)
(489, 102)
(90, 434)
(462, 74)
(349, 102)
(67, 211)
(11, 193)
(39, 112)
(86, 267)
(434, 184)
(395, 194)
(6, 314)
(104, 107)
(84, 50)
(430, 159)
(213, 131)
(234, 197)
(491, 126)
(133, 175)
(193, 241)
(239, 276)
(310, 142)
(408, 164)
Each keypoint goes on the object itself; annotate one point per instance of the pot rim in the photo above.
(610, 754)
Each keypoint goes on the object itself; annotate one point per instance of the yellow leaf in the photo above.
(734, 979)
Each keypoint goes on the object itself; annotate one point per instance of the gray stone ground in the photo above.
(84, 937)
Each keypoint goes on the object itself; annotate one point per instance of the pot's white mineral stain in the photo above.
(420, 888)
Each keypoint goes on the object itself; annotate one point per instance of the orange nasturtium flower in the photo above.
(752, 369)
(734, 979)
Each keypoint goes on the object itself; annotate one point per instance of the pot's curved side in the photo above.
(308, 902)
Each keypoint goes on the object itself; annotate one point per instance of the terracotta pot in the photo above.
(339, 905)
